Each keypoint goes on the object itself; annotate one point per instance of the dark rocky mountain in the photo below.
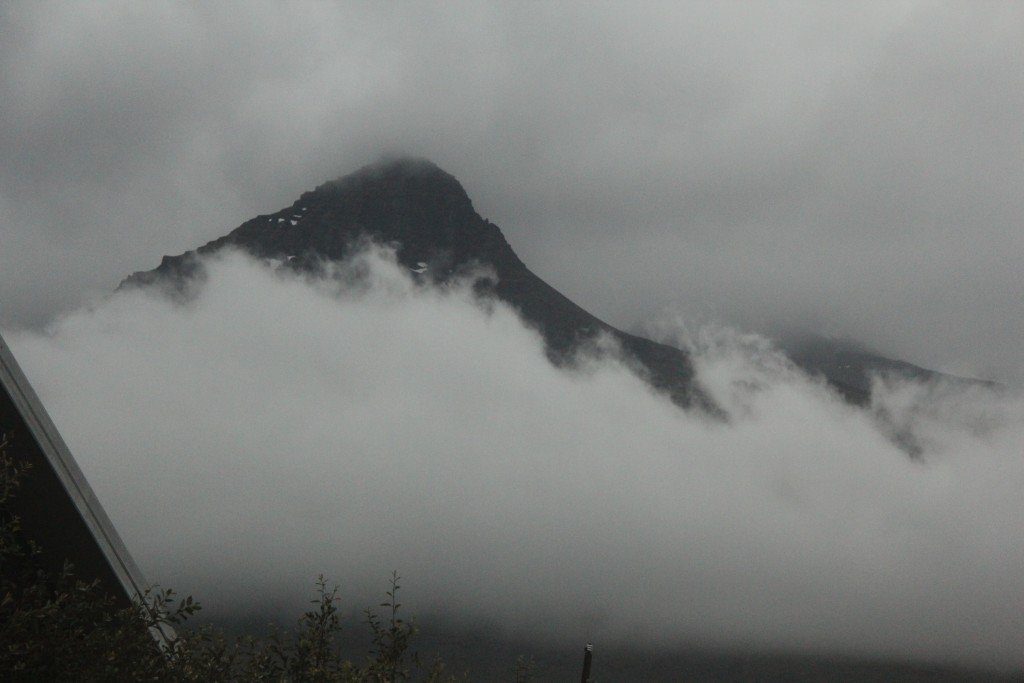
(425, 213)
(849, 367)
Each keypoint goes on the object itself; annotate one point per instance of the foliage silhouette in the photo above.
(59, 628)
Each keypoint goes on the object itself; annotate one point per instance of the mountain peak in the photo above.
(426, 215)
(407, 202)
(401, 179)
(397, 167)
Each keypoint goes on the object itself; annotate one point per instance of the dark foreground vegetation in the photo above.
(56, 627)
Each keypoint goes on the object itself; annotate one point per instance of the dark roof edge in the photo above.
(70, 475)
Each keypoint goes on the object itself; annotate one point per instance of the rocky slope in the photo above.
(426, 215)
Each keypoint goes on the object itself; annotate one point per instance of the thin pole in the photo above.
(588, 653)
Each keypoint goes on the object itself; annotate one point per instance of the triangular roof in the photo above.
(57, 507)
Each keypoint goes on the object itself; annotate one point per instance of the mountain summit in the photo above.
(410, 203)
(429, 219)
(426, 215)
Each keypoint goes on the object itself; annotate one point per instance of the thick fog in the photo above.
(274, 427)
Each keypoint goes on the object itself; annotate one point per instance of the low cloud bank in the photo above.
(273, 428)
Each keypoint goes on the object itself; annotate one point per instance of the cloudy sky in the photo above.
(850, 168)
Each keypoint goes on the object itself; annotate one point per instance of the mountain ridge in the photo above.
(426, 215)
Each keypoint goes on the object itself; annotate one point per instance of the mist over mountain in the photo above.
(426, 215)
(268, 424)
(405, 228)
(691, 173)
(372, 379)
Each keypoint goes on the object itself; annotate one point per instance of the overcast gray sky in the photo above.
(852, 167)
(855, 168)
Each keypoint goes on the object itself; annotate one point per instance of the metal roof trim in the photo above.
(52, 445)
